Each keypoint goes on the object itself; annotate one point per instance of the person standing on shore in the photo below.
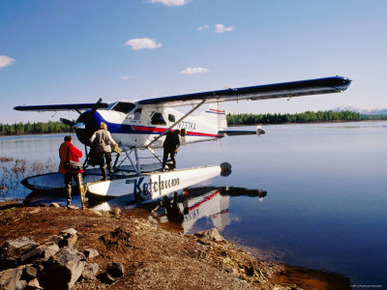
(67, 151)
(171, 147)
(102, 142)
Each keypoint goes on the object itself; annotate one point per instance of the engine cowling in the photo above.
(90, 126)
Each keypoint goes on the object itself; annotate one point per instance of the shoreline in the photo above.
(240, 125)
(309, 123)
(159, 254)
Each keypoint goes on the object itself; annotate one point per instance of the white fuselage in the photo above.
(143, 124)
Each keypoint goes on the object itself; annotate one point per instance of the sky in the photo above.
(74, 51)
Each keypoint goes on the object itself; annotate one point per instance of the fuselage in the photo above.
(138, 125)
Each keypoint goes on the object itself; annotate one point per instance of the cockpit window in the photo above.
(123, 107)
(171, 118)
(158, 119)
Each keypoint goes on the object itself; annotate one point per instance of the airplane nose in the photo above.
(85, 126)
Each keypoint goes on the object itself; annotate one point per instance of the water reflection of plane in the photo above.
(197, 203)
(183, 210)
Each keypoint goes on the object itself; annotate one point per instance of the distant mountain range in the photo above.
(363, 111)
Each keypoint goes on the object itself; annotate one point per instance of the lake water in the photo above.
(326, 201)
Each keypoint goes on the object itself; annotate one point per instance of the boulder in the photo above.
(30, 272)
(49, 250)
(34, 284)
(32, 255)
(63, 269)
(69, 231)
(90, 253)
(65, 238)
(10, 279)
(56, 239)
(116, 270)
(90, 271)
(12, 251)
(212, 235)
(113, 272)
(43, 252)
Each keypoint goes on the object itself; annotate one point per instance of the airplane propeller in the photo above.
(67, 122)
(75, 126)
(85, 125)
(79, 126)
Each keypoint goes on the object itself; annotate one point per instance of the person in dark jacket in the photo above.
(171, 147)
(67, 151)
(102, 143)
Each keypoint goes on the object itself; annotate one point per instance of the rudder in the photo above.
(216, 115)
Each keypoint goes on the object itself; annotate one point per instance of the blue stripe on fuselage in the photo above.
(128, 129)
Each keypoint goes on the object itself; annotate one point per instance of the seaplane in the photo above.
(142, 125)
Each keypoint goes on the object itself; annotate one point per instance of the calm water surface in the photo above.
(326, 203)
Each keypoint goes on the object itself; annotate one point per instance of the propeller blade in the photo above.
(96, 106)
(79, 125)
(67, 122)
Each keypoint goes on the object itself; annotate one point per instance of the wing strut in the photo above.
(177, 122)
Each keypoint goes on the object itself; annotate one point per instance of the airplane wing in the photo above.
(281, 90)
(62, 107)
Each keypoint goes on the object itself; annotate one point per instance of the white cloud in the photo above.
(125, 78)
(142, 43)
(194, 70)
(220, 28)
(6, 61)
(171, 2)
(205, 26)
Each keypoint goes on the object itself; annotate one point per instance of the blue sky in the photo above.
(75, 51)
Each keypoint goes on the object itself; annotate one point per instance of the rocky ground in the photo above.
(157, 257)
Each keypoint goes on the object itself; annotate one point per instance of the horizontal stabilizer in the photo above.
(230, 132)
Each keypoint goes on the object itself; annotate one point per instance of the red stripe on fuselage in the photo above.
(217, 111)
(149, 129)
(155, 130)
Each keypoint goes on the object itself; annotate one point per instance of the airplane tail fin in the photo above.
(216, 116)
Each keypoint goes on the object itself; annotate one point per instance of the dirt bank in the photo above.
(157, 257)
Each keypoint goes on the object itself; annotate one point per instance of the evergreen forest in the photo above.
(34, 128)
(232, 119)
(305, 117)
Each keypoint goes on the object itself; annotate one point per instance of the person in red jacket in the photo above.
(67, 151)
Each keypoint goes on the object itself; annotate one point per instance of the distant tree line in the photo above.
(34, 128)
(374, 117)
(306, 117)
(232, 119)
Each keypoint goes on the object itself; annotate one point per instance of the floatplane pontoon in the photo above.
(134, 187)
(150, 186)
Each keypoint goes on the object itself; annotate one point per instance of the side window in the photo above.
(157, 119)
(171, 118)
(137, 114)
